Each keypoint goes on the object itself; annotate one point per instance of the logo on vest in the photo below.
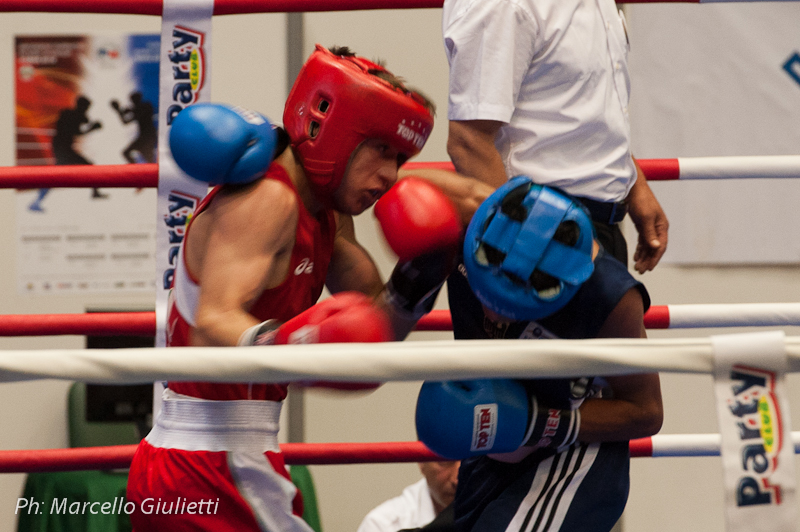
(305, 266)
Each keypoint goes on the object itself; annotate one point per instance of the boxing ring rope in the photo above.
(687, 168)
(369, 363)
(105, 176)
(120, 456)
(739, 167)
(234, 7)
(91, 324)
(657, 317)
(362, 362)
(146, 175)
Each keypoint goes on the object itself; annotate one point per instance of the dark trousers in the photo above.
(611, 238)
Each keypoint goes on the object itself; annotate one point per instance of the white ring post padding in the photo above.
(679, 445)
(391, 361)
(743, 167)
(734, 315)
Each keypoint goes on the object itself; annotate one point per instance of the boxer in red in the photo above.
(253, 263)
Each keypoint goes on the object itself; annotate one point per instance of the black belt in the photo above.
(605, 212)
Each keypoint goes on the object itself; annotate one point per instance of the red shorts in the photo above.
(223, 474)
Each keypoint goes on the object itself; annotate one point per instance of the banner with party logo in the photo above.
(757, 449)
(185, 80)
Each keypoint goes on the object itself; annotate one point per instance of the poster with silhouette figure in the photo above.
(86, 100)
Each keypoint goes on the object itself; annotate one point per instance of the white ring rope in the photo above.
(743, 167)
(392, 361)
(733, 315)
(682, 445)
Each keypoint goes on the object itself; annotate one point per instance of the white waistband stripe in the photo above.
(200, 425)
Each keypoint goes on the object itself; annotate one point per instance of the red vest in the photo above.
(300, 290)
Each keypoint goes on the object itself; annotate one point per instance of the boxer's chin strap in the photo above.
(262, 334)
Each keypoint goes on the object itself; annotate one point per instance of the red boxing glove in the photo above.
(345, 317)
(417, 218)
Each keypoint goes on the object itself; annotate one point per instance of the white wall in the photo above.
(667, 494)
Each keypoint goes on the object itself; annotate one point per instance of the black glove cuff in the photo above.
(551, 427)
(414, 284)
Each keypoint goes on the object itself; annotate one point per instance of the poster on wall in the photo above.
(719, 80)
(83, 100)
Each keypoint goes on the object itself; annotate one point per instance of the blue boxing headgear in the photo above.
(518, 261)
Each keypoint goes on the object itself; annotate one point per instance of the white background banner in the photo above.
(720, 80)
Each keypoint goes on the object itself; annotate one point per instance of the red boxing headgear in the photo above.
(336, 104)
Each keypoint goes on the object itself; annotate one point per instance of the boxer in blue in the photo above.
(540, 454)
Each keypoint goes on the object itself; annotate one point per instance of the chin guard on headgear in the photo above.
(518, 262)
(336, 103)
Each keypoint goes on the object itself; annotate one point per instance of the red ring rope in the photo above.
(232, 7)
(146, 175)
(120, 456)
(91, 324)
(654, 169)
(221, 7)
(82, 458)
(657, 317)
(660, 169)
(106, 176)
(356, 453)
(144, 323)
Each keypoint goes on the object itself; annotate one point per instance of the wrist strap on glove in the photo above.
(262, 334)
(551, 427)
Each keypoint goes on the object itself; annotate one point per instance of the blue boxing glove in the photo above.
(459, 419)
(220, 144)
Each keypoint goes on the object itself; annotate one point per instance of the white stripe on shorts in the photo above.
(553, 489)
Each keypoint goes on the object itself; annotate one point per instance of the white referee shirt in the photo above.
(412, 509)
(555, 72)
